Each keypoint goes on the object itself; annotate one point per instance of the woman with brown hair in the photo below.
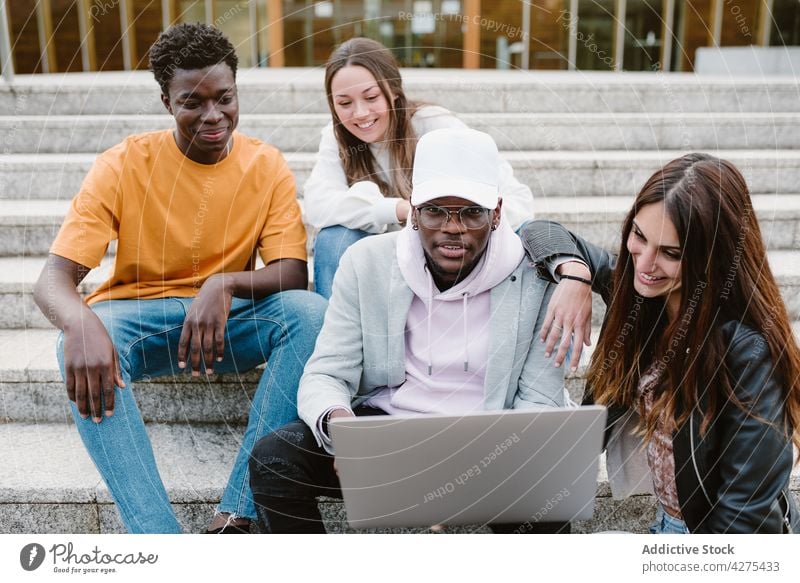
(696, 360)
(361, 181)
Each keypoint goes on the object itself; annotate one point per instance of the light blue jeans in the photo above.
(666, 524)
(280, 330)
(329, 246)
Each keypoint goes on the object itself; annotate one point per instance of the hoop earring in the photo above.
(415, 227)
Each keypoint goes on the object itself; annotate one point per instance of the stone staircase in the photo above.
(584, 143)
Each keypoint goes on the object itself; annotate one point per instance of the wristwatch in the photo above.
(325, 419)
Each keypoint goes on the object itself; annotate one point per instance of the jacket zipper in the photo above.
(786, 520)
(694, 461)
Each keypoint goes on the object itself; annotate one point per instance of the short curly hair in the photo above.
(189, 46)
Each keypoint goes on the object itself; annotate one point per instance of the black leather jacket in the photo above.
(735, 477)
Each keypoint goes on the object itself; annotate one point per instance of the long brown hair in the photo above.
(724, 277)
(357, 158)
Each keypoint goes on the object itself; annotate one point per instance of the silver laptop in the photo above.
(488, 467)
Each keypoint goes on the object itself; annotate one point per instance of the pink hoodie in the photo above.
(448, 333)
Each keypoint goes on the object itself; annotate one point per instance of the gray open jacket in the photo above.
(361, 347)
(735, 477)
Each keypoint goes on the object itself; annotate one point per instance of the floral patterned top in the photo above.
(660, 457)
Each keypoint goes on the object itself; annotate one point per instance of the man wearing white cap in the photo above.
(440, 317)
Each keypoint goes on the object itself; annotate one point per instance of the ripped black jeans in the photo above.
(288, 471)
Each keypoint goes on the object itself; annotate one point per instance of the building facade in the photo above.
(631, 35)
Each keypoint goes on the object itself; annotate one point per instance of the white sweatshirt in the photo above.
(329, 201)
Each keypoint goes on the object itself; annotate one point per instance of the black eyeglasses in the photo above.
(472, 217)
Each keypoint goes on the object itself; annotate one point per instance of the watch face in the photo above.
(325, 420)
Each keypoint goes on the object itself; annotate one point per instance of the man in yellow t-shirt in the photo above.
(188, 209)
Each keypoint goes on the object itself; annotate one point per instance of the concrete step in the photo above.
(294, 90)
(598, 219)
(33, 391)
(548, 173)
(511, 131)
(19, 274)
(50, 486)
(59, 176)
(28, 227)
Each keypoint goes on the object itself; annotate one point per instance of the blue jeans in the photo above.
(666, 524)
(280, 330)
(329, 246)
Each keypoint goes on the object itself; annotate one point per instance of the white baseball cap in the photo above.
(456, 162)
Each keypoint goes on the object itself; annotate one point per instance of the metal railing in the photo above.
(6, 60)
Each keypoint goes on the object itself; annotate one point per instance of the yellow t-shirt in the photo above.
(177, 222)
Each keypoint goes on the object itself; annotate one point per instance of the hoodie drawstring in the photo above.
(466, 340)
(430, 317)
(464, 302)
